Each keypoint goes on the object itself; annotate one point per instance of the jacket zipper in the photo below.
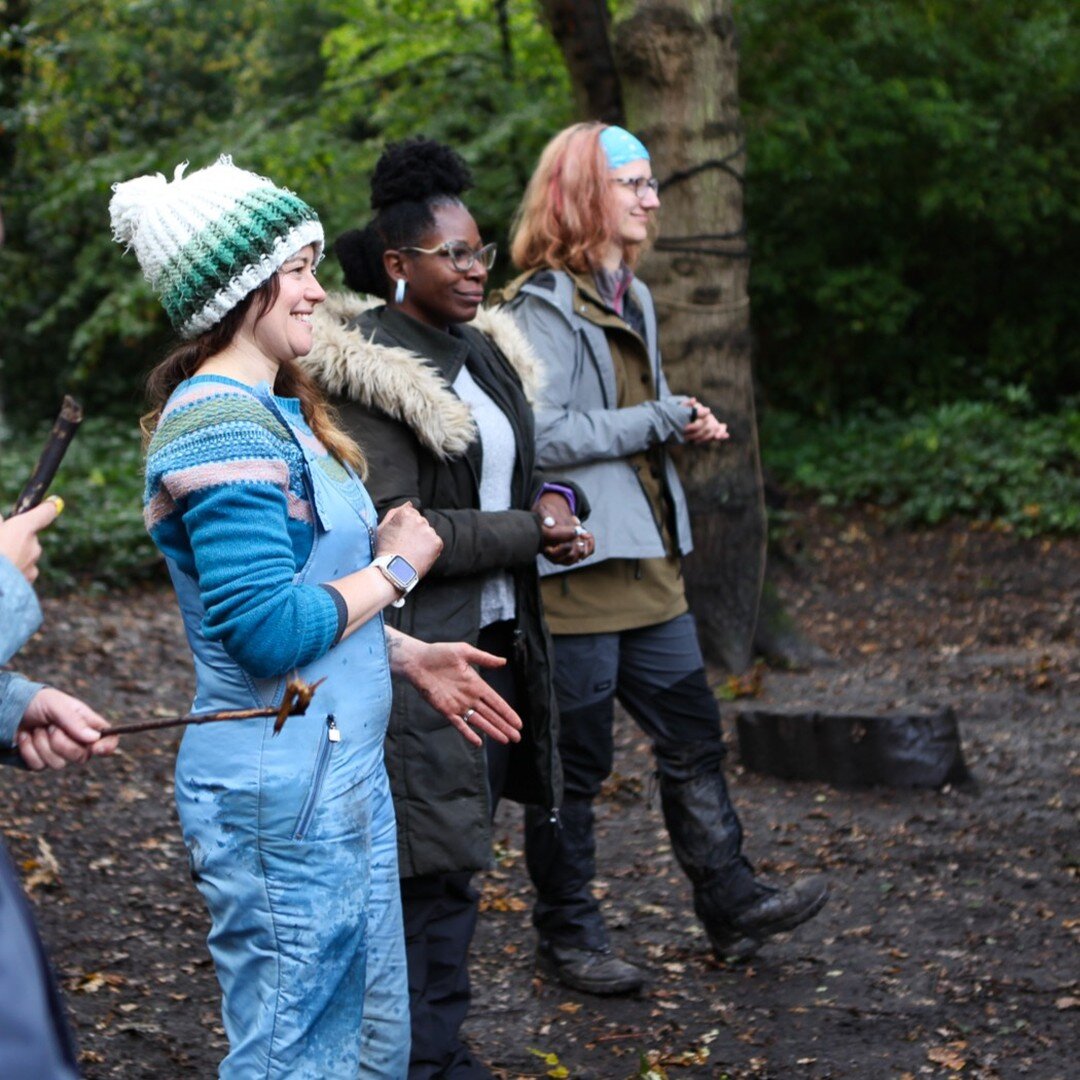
(333, 735)
(657, 521)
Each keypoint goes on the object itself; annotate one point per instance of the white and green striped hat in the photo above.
(207, 240)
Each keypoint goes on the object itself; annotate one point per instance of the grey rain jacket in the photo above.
(581, 431)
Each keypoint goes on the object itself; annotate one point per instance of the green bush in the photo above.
(997, 461)
(909, 163)
(99, 539)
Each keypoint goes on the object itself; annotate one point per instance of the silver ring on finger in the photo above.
(467, 714)
(579, 530)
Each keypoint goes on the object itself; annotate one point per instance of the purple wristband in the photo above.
(565, 492)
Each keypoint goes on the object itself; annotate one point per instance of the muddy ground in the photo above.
(949, 947)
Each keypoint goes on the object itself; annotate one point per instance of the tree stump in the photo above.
(894, 749)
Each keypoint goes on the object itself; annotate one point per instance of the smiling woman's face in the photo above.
(436, 293)
(283, 332)
(632, 210)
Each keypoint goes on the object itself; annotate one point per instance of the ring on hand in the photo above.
(467, 714)
(549, 522)
(579, 530)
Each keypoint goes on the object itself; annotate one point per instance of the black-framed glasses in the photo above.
(462, 257)
(638, 184)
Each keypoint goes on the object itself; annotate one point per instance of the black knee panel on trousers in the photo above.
(686, 728)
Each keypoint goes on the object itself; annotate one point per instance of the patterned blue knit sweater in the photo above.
(225, 498)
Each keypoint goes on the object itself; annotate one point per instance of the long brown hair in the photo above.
(565, 218)
(184, 361)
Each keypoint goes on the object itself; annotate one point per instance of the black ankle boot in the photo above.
(593, 971)
(739, 937)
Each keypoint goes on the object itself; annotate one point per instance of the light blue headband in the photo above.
(620, 147)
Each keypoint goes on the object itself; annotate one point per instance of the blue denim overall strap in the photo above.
(292, 837)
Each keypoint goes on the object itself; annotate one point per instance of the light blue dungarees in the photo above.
(292, 837)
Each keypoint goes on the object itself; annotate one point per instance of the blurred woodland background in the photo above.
(909, 173)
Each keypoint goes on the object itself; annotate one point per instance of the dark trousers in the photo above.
(658, 675)
(34, 1038)
(440, 912)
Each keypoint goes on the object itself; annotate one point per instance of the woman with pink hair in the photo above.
(620, 621)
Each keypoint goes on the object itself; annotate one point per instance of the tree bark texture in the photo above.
(581, 29)
(678, 66)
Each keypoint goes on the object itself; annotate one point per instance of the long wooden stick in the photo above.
(297, 697)
(63, 431)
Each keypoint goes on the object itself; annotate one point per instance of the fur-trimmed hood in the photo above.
(347, 364)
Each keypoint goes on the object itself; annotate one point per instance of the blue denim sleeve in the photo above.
(20, 613)
(15, 695)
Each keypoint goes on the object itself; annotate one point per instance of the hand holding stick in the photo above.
(63, 431)
(298, 695)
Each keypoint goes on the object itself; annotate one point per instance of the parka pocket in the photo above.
(322, 764)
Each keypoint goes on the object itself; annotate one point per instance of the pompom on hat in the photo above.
(206, 240)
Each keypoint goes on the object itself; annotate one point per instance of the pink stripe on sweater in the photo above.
(214, 474)
(300, 509)
(183, 482)
(199, 393)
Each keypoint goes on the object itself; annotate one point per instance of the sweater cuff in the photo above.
(16, 693)
(342, 610)
(561, 489)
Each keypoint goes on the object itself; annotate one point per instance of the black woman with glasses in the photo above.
(438, 393)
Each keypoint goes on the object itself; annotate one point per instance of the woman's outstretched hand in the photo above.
(18, 536)
(444, 675)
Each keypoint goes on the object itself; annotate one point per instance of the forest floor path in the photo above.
(949, 947)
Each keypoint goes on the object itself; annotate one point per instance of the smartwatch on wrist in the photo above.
(400, 573)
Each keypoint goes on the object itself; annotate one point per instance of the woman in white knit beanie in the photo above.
(279, 564)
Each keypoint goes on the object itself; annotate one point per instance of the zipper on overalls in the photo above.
(333, 735)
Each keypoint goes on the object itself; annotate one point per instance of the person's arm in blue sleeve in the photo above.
(246, 569)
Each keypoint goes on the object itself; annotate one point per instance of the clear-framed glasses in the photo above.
(461, 256)
(638, 184)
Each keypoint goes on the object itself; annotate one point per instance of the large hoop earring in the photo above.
(399, 290)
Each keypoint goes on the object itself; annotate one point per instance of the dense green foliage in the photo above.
(911, 194)
(99, 538)
(911, 198)
(910, 187)
(94, 93)
(997, 461)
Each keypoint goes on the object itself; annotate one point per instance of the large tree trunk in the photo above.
(678, 66)
(581, 30)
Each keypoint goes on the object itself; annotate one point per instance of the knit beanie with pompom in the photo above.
(207, 240)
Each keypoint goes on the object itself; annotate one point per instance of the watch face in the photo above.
(401, 570)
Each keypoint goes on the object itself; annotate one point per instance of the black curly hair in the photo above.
(412, 179)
